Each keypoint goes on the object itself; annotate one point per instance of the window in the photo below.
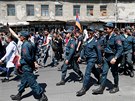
(30, 10)
(10, 10)
(58, 10)
(90, 10)
(76, 9)
(45, 10)
(103, 10)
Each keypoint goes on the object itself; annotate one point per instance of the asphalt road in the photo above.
(48, 77)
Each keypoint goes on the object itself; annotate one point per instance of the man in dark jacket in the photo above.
(27, 64)
(112, 52)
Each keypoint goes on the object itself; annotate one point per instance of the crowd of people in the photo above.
(101, 49)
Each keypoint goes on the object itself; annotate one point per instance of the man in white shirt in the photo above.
(11, 51)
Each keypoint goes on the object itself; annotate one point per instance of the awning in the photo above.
(16, 23)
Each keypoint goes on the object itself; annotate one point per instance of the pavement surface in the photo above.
(48, 77)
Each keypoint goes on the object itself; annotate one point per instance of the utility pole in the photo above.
(116, 13)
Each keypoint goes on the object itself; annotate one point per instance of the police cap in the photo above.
(109, 24)
(128, 28)
(91, 29)
(68, 31)
(24, 34)
(101, 29)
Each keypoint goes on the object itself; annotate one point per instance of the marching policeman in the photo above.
(113, 49)
(69, 59)
(128, 48)
(27, 64)
(100, 39)
(91, 51)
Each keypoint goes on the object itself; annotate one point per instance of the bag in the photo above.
(17, 64)
(16, 61)
(54, 46)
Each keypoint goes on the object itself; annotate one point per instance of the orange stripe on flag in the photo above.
(78, 23)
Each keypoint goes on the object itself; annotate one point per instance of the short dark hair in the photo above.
(11, 36)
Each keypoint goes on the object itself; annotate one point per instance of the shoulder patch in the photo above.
(24, 50)
(72, 45)
(119, 42)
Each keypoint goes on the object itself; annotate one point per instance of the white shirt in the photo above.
(126, 35)
(11, 51)
(85, 34)
(19, 45)
(32, 39)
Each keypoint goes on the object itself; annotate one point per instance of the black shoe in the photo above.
(60, 83)
(114, 90)
(5, 80)
(81, 92)
(16, 97)
(80, 79)
(131, 74)
(43, 98)
(125, 73)
(99, 90)
(98, 82)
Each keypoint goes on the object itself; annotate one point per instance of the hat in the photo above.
(24, 34)
(109, 24)
(91, 29)
(128, 28)
(77, 31)
(101, 29)
(68, 31)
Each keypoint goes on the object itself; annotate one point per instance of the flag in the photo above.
(78, 22)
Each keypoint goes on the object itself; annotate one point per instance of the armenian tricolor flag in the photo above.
(78, 22)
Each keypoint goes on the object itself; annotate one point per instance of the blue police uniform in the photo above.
(128, 47)
(27, 65)
(69, 55)
(100, 41)
(134, 50)
(91, 52)
(112, 49)
(70, 51)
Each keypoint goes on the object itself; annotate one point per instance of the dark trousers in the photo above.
(127, 59)
(75, 67)
(114, 70)
(28, 78)
(90, 68)
(7, 70)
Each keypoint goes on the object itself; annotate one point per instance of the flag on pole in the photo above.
(78, 22)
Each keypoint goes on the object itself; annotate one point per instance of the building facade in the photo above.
(42, 13)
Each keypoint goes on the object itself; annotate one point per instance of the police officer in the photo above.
(91, 52)
(79, 41)
(27, 65)
(134, 50)
(113, 49)
(100, 39)
(69, 54)
(128, 46)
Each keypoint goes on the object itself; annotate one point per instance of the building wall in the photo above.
(67, 10)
